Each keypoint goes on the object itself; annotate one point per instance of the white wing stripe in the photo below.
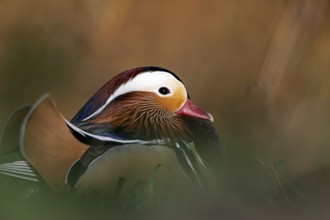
(19, 176)
(14, 165)
(104, 138)
(18, 172)
(16, 169)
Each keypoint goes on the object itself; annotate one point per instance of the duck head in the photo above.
(139, 105)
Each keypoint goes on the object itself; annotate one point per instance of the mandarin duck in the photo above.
(140, 119)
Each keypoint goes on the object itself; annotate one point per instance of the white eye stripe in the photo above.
(147, 81)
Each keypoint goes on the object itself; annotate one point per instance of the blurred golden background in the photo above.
(260, 67)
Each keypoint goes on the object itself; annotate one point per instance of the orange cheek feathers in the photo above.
(174, 102)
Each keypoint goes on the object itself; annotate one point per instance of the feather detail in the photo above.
(18, 169)
(140, 114)
(48, 145)
(86, 135)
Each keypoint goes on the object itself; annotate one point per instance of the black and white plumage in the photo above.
(142, 116)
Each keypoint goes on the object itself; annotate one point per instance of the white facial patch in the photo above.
(145, 82)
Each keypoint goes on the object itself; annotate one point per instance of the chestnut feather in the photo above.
(142, 114)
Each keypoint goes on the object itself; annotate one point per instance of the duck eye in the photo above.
(164, 90)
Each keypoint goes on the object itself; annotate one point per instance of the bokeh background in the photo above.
(260, 67)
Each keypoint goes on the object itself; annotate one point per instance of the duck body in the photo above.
(141, 119)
